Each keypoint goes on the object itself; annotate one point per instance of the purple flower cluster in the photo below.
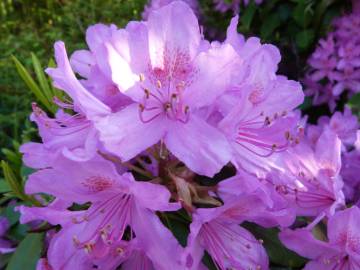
(156, 107)
(156, 4)
(335, 64)
(234, 5)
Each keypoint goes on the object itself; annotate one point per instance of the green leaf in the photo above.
(303, 14)
(4, 259)
(305, 38)
(277, 252)
(16, 184)
(44, 84)
(284, 11)
(26, 171)
(12, 215)
(248, 16)
(31, 84)
(320, 11)
(207, 260)
(354, 101)
(180, 230)
(12, 156)
(270, 24)
(4, 187)
(13, 181)
(27, 253)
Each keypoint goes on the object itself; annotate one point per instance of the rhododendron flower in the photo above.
(97, 79)
(342, 249)
(72, 135)
(151, 111)
(334, 66)
(268, 208)
(350, 174)
(257, 106)
(173, 74)
(345, 125)
(230, 245)
(310, 178)
(117, 201)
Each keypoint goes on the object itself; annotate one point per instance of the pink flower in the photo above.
(309, 179)
(170, 73)
(350, 174)
(344, 125)
(334, 66)
(256, 110)
(71, 135)
(266, 207)
(97, 79)
(342, 249)
(217, 231)
(117, 201)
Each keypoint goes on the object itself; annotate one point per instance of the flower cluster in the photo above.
(234, 5)
(148, 112)
(334, 66)
(156, 4)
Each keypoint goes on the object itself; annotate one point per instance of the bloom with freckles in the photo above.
(71, 135)
(342, 249)
(117, 201)
(169, 72)
(216, 230)
(310, 178)
(256, 109)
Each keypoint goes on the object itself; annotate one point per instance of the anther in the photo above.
(74, 220)
(75, 240)
(267, 121)
(141, 107)
(186, 110)
(141, 77)
(88, 248)
(119, 250)
(158, 84)
(167, 106)
(287, 135)
(147, 93)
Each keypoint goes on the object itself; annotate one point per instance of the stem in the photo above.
(137, 169)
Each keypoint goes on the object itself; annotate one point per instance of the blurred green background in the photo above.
(33, 26)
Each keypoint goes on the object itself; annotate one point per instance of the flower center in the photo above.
(164, 88)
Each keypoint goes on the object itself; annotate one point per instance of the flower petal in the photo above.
(201, 147)
(172, 28)
(125, 135)
(65, 79)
